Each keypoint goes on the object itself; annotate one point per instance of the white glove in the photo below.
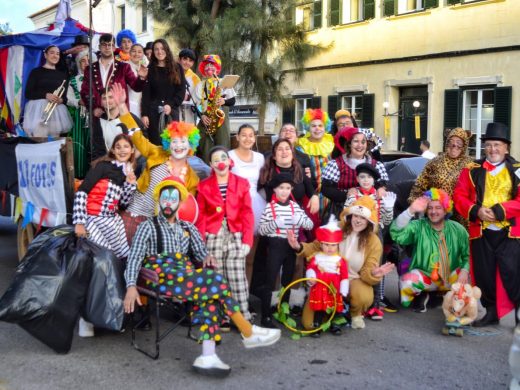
(246, 249)
(344, 287)
(389, 200)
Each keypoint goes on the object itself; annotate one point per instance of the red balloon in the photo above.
(188, 210)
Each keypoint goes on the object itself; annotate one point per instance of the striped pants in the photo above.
(228, 250)
(415, 282)
(108, 232)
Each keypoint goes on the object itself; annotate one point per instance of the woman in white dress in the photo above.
(247, 164)
(137, 58)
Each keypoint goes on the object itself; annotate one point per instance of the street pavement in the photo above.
(404, 351)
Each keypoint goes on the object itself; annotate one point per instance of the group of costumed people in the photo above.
(317, 205)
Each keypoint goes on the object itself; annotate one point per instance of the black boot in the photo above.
(491, 318)
(267, 322)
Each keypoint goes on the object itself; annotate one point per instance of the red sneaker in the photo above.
(375, 314)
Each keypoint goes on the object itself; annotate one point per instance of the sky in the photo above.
(16, 11)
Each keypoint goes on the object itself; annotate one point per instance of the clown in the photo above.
(212, 98)
(317, 144)
(226, 223)
(163, 242)
(179, 141)
(441, 248)
(328, 266)
(124, 39)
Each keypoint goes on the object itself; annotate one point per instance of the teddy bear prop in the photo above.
(460, 304)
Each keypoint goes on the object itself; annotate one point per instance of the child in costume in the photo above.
(109, 183)
(367, 175)
(187, 58)
(226, 223)
(326, 265)
(317, 144)
(280, 215)
(124, 39)
(213, 100)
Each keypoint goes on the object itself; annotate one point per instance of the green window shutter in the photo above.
(502, 112)
(369, 9)
(290, 14)
(334, 13)
(452, 2)
(368, 110)
(288, 112)
(389, 7)
(452, 108)
(317, 12)
(332, 105)
(431, 4)
(316, 102)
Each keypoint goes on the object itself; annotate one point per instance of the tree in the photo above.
(5, 29)
(255, 38)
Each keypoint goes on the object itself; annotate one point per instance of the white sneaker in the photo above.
(358, 322)
(261, 337)
(86, 329)
(211, 365)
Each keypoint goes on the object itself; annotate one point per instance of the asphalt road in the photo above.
(404, 351)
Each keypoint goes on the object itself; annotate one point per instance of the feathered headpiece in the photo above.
(181, 129)
(312, 114)
(443, 197)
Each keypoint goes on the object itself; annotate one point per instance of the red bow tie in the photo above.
(488, 166)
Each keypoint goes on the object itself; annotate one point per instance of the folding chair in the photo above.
(177, 307)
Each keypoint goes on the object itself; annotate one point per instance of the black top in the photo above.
(102, 170)
(159, 89)
(299, 191)
(42, 81)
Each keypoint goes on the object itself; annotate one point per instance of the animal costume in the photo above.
(461, 303)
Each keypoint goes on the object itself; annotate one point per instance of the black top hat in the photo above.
(149, 46)
(80, 40)
(496, 131)
(280, 178)
(368, 168)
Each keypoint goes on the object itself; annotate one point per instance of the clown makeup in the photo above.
(317, 130)
(220, 162)
(358, 146)
(123, 150)
(179, 147)
(365, 181)
(329, 248)
(169, 201)
(210, 70)
(283, 191)
(359, 223)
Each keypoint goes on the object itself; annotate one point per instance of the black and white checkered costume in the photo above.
(332, 172)
(180, 237)
(96, 204)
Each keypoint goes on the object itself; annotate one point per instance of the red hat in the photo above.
(346, 133)
(330, 233)
(210, 59)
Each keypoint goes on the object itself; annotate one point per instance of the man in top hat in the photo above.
(487, 195)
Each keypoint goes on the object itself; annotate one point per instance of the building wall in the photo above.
(366, 57)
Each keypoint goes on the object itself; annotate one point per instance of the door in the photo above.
(407, 136)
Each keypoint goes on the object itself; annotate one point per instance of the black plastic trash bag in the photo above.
(106, 291)
(50, 287)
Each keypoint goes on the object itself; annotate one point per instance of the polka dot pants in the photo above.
(208, 290)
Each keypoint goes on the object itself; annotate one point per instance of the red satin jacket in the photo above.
(236, 209)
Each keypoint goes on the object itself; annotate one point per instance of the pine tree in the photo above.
(256, 39)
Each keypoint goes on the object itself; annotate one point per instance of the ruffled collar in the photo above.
(322, 148)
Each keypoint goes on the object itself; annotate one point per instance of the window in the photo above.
(478, 110)
(354, 104)
(144, 16)
(405, 6)
(350, 11)
(301, 104)
(308, 14)
(122, 16)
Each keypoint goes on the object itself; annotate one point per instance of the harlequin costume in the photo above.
(495, 247)
(438, 256)
(96, 204)
(205, 94)
(226, 223)
(157, 168)
(318, 152)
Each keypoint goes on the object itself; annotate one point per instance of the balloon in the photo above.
(188, 210)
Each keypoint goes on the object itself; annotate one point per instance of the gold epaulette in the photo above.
(473, 165)
(516, 165)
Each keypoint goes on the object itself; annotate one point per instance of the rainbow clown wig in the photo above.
(181, 129)
(443, 197)
(312, 114)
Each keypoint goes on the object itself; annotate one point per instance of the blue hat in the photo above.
(125, 34)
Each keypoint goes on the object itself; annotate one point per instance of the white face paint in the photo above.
(179, 147)
(365, 181)
(169, 201)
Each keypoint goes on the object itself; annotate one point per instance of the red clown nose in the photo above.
(221, 166)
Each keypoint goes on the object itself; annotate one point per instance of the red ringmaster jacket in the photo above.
(469, 194)
(236, 209)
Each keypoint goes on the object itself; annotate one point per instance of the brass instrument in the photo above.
(51, 106)
(215, 114)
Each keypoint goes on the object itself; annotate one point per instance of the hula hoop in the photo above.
(332, 314)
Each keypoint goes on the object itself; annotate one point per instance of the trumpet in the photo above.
(51, 106)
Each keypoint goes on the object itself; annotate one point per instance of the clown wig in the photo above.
(181, 129)
(443, 197)
(312, 114)
(125, 34)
